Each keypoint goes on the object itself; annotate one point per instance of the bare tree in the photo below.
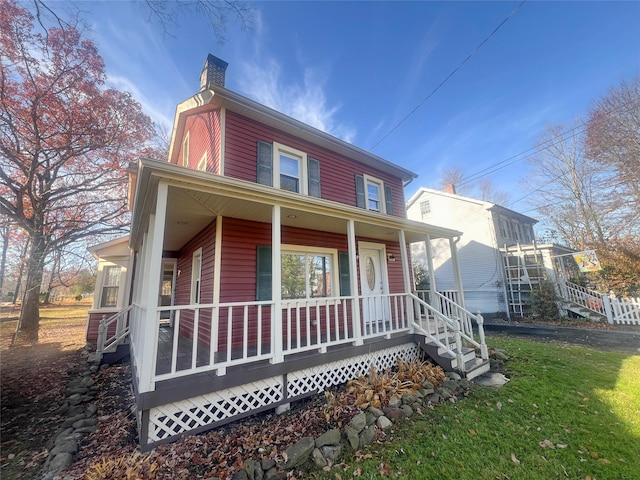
(168, 13)
(573, 193)
(613, 138)
(489, 193)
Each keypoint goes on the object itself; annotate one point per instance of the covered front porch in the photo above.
(223, 338)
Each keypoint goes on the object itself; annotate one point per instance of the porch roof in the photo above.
(196, 198)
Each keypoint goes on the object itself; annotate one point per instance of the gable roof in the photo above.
(224, 98)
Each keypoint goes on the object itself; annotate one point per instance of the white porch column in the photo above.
(152, 274)
(456, 272)
(276, 284)
(406, 276)
(432, 273)
(353, 279)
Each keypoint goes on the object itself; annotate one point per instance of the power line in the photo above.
(513, 12)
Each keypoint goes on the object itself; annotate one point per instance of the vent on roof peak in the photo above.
(213, 73)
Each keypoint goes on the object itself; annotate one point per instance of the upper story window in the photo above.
(110, 286)
(185, 151)
(425, 209)
(202, 164)
(287, 168)
(373, 194)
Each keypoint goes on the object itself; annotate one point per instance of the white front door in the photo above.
(373, 284)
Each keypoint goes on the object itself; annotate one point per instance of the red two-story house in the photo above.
(269, 261)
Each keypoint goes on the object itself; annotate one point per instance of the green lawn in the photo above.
(567, 413)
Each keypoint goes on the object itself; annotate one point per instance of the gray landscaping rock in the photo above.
(408, 399)
(408, 411)
(395, 402)
(367, 436)
(491, 379)
(394, 413)
(384, 423)
(273, 474)
(352, 437)
(444, 393)
(86, 422)
(87, 382)
(250, 467)
(435, 398)
(86, 429)
(332, 452)
(240, 475)
(428, 385)
(299, 453)
(330, 437)
(71, 420)
(371, 418)
(375, 411)
(318, 458)
(267, 464)
(359, 422)
(60, 462)
(452, 375)
(66, 447)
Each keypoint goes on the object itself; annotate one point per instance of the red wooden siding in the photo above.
(204, 131)
(93, 325)
(336, 172)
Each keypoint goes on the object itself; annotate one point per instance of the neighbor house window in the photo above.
(110, 286)
(425, 209)
(196, 272)
(185, 151)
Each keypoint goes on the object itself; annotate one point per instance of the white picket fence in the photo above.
(625, 311)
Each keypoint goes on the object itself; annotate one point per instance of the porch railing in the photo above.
(582, 296)
(118, 324)
(444, 321)
(212, 337)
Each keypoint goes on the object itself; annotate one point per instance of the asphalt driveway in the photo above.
(621, 338)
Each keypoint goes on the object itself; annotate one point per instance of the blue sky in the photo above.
(357, 69)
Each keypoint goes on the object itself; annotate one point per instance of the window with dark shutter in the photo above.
(345, 278)
(263, 273)
(313, 172)
(264, 173)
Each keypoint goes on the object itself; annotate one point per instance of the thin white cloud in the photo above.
(304, 101)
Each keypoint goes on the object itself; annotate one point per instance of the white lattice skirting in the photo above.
(175, 418)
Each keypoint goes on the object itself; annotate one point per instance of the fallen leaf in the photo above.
(604, 460)
(514, 459)
(472, 431)
(561, 445)
(499, 405)
(594, 454)
(547, 444)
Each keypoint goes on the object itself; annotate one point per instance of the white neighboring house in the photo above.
(112, 282)
(486, 228)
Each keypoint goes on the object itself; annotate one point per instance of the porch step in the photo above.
(119, 354)
(476, 367)
(584, 312)
(446, 360)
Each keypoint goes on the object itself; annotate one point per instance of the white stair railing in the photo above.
(583, 296)
(106, 342)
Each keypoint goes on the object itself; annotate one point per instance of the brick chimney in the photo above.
(213, 73)
(450, 188)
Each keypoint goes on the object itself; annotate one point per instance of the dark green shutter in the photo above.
(388, 199)
(263, 273)
(313, 172)
(264, 173)
(345, 278)
(360, 198)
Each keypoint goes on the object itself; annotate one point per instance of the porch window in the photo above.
(196, 271)
(307, 273)
(110, 287)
